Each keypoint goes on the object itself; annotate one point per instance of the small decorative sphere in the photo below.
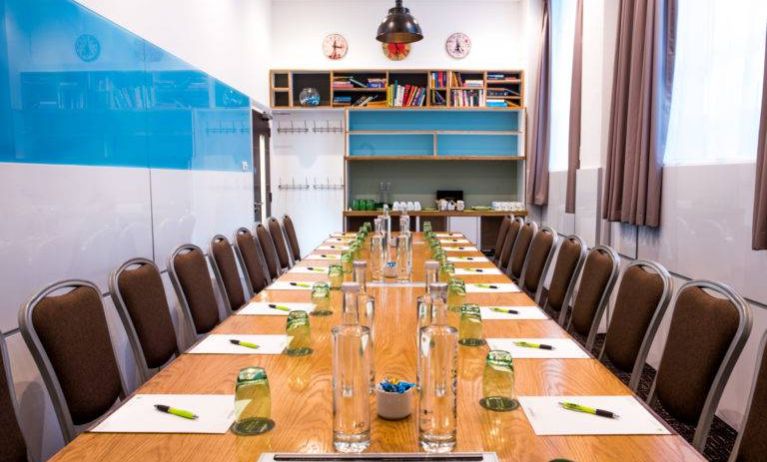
(309, 97)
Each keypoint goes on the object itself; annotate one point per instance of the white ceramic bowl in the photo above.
(392, 405)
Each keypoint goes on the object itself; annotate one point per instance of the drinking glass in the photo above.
(336, 276)
(346, 260)
(252, 403)
(470, 327)
(498, 382)
(446, 272)
(351, 388)
(456, 294)
(376, 256)
(321, 299)
(299, 333)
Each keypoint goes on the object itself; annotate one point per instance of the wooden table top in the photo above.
(301, 390)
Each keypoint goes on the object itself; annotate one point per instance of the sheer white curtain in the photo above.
(561, 66)
(717, 90)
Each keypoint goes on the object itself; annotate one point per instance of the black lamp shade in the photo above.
(399, 26)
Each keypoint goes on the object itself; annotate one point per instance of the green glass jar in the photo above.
(252, 403)
(446, 271)
(498, 382)
(456, 294)
(321, 299)
(470, 326)
(427, 227)
(335, 276)
(299, 332)
(347, 258)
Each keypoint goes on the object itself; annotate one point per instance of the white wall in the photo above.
(228, 39)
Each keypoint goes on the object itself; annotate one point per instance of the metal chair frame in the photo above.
(750, 401)
(11, 391)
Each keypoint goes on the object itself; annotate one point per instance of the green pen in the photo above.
(486, 286)
(502, 310)
(588, 410)
(316, 270)
(540, 346)
(475, 270)
(467, 258)
(301, 284)
(244, 344)
(279, 307)
(175, 411)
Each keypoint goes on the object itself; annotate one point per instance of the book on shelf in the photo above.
(478, 83)
(377, 82)
(342, 100)
(405, 95)
(350, 81)
(439, 79)
(364, 100)
(437, 99)
(496, 76)
(496, 103)
(467, 98)
(499, 92)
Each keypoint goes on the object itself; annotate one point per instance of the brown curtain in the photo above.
(537, 190)
(644, 67)
(759, 231)
(574, 148)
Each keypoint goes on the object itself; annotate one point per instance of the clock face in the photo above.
(458, 45)
(396, 51)
(87, 47)
(334, 46)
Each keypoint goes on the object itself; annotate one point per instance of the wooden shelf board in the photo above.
(400, 157)
(437, 213)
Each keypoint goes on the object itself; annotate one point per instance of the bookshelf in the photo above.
(401, 88)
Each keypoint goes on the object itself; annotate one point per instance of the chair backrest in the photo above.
(751, 444)
(224, 265)
(268, 250)
(251, 261)
(290, 230)
(519, 251)
(538, 261)
(508, 245)
(598, 277)
(68, 337)
(12, 442)
(709, 327)
(189, 274)
(644, 293)
(503, 229)
(570, 259)
(280, 243)
(139, 296)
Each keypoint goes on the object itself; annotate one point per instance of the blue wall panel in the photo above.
(77, 89)
(433, 120)
(391, 145)
(477, 145)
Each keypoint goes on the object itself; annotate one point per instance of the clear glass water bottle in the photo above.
(403, 257)
(377, 258)
(437, 380)
(351, 386)
(431, 270)
(359, 308)
(360, 274)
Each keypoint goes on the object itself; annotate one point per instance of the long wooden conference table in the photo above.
(301, 389)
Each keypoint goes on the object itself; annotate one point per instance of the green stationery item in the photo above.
(279, 307)
(540, 346)
(503, 310)
(486, 286)
(301, 284)
(588, 410)
(316, 270)
(175, 411)
(244, 344)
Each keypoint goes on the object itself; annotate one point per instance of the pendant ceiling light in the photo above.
(399, 26)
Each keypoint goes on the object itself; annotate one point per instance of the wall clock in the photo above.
(334, 46)
(87, 47)
(458, 45)
(396, 51)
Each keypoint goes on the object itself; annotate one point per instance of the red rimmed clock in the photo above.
(396, 51)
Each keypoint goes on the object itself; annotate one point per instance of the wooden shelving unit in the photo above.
(437, 85)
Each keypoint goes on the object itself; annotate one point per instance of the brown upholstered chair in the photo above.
(570, 258)
(511, 237)
(189, 274)
(709, 327)
(600, 271)
(644, 292)
(65, 329)
(13, 446)
(224, 264)
(290, 231)
(268, 250)
(520, 249)
(139, 296)
(538, 260)
(251, 261)
(751, 444)
(280, 243)
(503, 229)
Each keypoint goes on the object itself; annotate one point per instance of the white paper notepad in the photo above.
(262, 308)
(333, 247)
(547, 417)
(292, 285)
(338, 241)
(455, 240)
(448, 234)
(466, 259)
(477, 271)
(523, 312)
(490, 288)
(309, 270)
(460, 248)
(564, 348)
(324, 256)
(138, 415)
(220, 344)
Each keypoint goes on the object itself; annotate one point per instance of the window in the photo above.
(562, 30)
(716, 99)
